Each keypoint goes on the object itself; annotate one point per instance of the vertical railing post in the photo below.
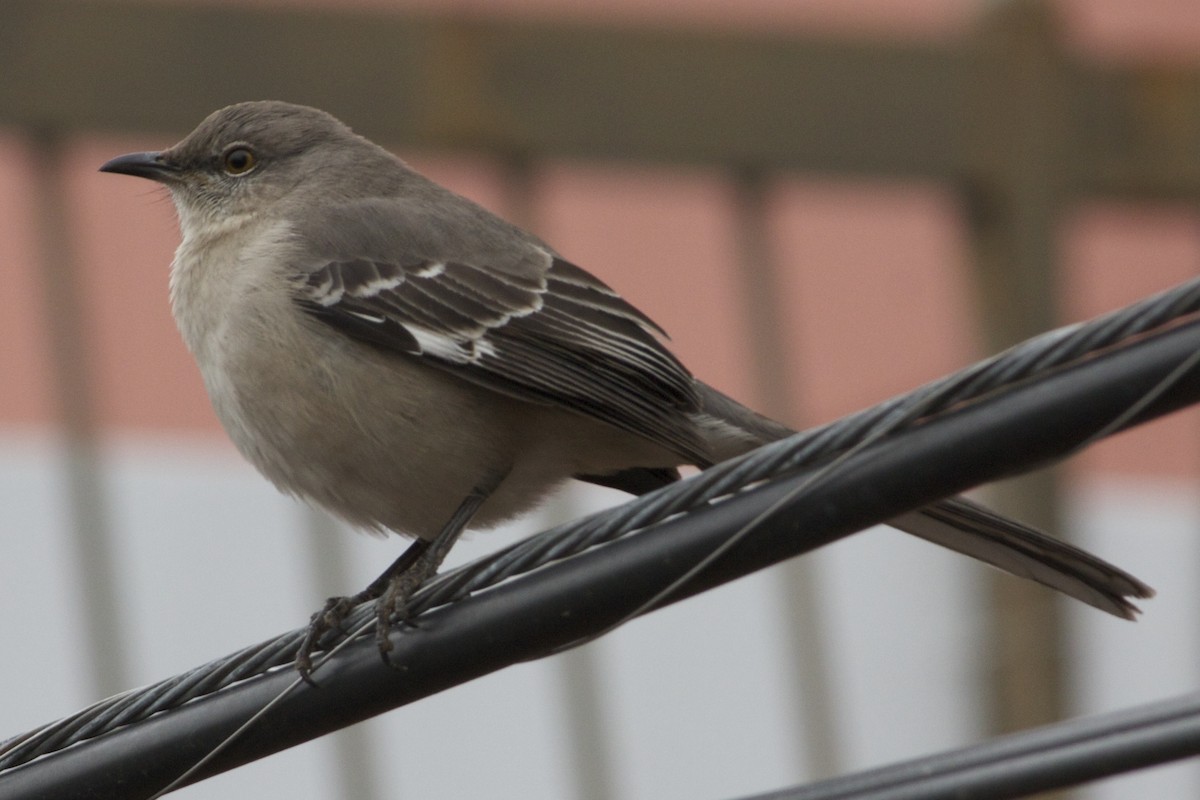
(1016, 156)
(355, 764)
(93, 577)
(589, 735)
(815, 717)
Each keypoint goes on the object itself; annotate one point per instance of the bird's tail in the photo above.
(730, 429)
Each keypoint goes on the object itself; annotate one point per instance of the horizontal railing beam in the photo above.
(774, 101)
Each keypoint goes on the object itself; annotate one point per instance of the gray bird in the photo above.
(393, 352)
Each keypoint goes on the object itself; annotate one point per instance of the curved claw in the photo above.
(329, 618)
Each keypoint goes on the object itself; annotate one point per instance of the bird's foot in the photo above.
(329, 618)
(391, 592)
(392, 605)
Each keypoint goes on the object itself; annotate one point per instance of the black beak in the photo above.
(150, 165)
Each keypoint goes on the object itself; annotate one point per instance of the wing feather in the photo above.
(548, 333)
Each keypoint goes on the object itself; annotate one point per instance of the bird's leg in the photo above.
(393, 588)
(401, 585)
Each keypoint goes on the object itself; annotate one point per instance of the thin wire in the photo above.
(1141, 403)
(257, 716)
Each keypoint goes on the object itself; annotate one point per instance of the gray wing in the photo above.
(547, 332)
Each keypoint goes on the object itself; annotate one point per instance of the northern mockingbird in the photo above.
(391, 351)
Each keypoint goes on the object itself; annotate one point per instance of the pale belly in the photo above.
(388, 443)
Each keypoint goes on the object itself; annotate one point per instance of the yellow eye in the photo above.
(239, 161)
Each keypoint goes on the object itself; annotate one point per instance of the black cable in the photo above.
(1053, 757)
(1002, 433)
(1026, 361)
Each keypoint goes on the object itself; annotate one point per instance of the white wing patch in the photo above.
(433, 269)
(453, 350)
(376, 318)
(377, 286)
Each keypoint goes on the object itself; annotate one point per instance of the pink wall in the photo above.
(875, 277)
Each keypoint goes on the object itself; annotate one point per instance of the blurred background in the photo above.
(824, 203)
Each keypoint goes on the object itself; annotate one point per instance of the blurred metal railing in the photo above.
(1005, 115)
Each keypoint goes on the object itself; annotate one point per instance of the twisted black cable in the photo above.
(1027, 361)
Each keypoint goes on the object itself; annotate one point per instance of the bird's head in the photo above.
(247, 158)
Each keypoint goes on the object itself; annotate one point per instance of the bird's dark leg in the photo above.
(393, 588)
(401, 586)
